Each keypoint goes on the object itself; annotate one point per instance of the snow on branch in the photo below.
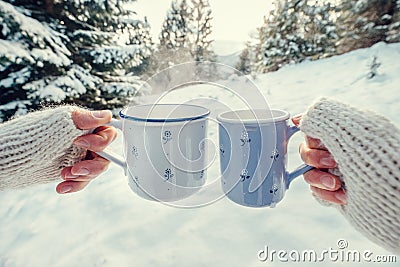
(76, 81)
(121, 56)
(41, 42)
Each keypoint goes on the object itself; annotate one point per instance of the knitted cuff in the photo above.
(366, 147)
(35, 147)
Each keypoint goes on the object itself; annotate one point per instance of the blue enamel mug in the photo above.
(253, 156)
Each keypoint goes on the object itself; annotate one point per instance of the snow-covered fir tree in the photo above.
(318, 21)
(311, 29)
(393, 33)
(293, 31)
(248, 56)
(174, 46)
(365, 22)
(200, 29)
(185, 35)
(70, 51)
(278, 41)
(244, 63)
(174, 30)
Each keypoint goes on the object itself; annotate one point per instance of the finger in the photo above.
(311, 142)
(322, 180)
(296, 119)
(67, 175)
(316, 157)
(99, 140)
(86, 119)
(93, 167)
(70, 186)
(337, 197)
(314, 143)
(87, 169)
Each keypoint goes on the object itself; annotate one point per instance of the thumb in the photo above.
(86, 119)
(296, 119)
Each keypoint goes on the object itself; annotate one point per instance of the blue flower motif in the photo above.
(274, 189)
(275, 154)
(168, 174)
(135, 151)
(167, 136)
(244, 175)
(244, 138)
(222, 150)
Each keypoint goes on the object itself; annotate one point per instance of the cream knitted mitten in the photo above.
(366, 147)
(35, 147)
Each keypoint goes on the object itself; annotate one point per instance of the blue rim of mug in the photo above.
(283, 116)
(205, 112)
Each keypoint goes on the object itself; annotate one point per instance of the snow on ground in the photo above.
(108, 225)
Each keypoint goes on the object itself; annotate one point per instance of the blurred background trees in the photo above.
(363, 23)
(96, 53)
(185, 35)
(296, 30)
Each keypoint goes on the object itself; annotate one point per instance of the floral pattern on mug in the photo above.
(274, 189)
(135, 152)
(167, 136)
(168, 174)
(222, 150)
(275, 154)
(244, 138)
(244, 175)
(135, 180)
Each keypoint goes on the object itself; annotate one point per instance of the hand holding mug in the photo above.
(78, 176)
(164, 149)
(324, 185)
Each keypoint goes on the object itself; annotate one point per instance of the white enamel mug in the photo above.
(253, 156)
(164, 155)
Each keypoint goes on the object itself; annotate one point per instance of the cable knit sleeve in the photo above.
(366, 147)
(35, 147)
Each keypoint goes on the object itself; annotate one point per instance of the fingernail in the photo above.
(328, 162)
(71, 176)
(341, 196)
(65, 189)
(100, 113)
(82, 171)
(328, 182)
(82, 143)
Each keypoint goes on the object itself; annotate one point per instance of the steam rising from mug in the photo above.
(167, 147)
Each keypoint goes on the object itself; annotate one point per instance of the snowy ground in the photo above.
(108, 225)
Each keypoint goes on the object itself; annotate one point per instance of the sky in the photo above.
(232, 20)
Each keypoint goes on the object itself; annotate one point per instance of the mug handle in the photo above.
(109, 155)
(303, 168)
